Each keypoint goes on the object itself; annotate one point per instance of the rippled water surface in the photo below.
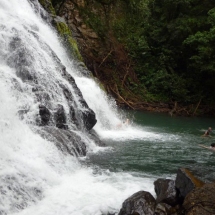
(158, 146)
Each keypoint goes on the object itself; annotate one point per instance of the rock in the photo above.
(142, 203)
(60, 117)
(89, 119)
(42, 97)
(67, 141)
(165, 209)
(88, 116)
(166, 191)
(201, 201)
(93, 135)
(186, 182)
(44, 114)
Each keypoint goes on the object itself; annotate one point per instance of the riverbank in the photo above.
(171, 108)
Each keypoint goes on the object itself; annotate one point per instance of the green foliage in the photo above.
(172, 44)
(97, 22)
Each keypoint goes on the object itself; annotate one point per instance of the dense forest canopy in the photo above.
(173, 46)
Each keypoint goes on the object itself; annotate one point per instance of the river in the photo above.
(167, 143)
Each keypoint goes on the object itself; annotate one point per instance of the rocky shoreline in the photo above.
(186, 195)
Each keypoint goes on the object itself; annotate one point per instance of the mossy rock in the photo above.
(68, 40)
(63, 30)
(47, 4)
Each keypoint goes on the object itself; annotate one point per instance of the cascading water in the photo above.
(35, 176)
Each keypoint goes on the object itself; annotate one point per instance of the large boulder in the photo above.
(201, 201)
(140, 203)
(166, 191)
(186, 182)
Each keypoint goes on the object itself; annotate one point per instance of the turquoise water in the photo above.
(173, 144)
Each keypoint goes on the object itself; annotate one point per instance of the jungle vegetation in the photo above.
(172, 43)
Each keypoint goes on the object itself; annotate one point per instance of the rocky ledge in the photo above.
(186, 195)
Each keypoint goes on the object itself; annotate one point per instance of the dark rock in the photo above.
(201, 201)
(165, 209)
(62, 126)
(185, 182)
(166, 191)
(44, 114)
(89, 119)
(74, 118)
(142, 203)
(162, 209)
(92, 133)
(67, 141)
(60, 117)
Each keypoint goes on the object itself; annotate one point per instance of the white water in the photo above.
(35, 177)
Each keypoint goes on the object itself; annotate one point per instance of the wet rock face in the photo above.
(201, 201)
(21, 59)
(185, 182)
(166, 191)
(44, 114)
(60, 117)
(89, 119)
(165, 209)
(43, 110)
(94, 136)
(88, 116)
(142, 203)
(66, 141)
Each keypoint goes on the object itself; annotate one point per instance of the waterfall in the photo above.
(41, 111)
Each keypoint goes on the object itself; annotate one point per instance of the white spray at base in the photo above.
(35, 177)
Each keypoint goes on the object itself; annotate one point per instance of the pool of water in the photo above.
(161, 146)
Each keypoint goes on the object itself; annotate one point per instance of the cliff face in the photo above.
(91, 23)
